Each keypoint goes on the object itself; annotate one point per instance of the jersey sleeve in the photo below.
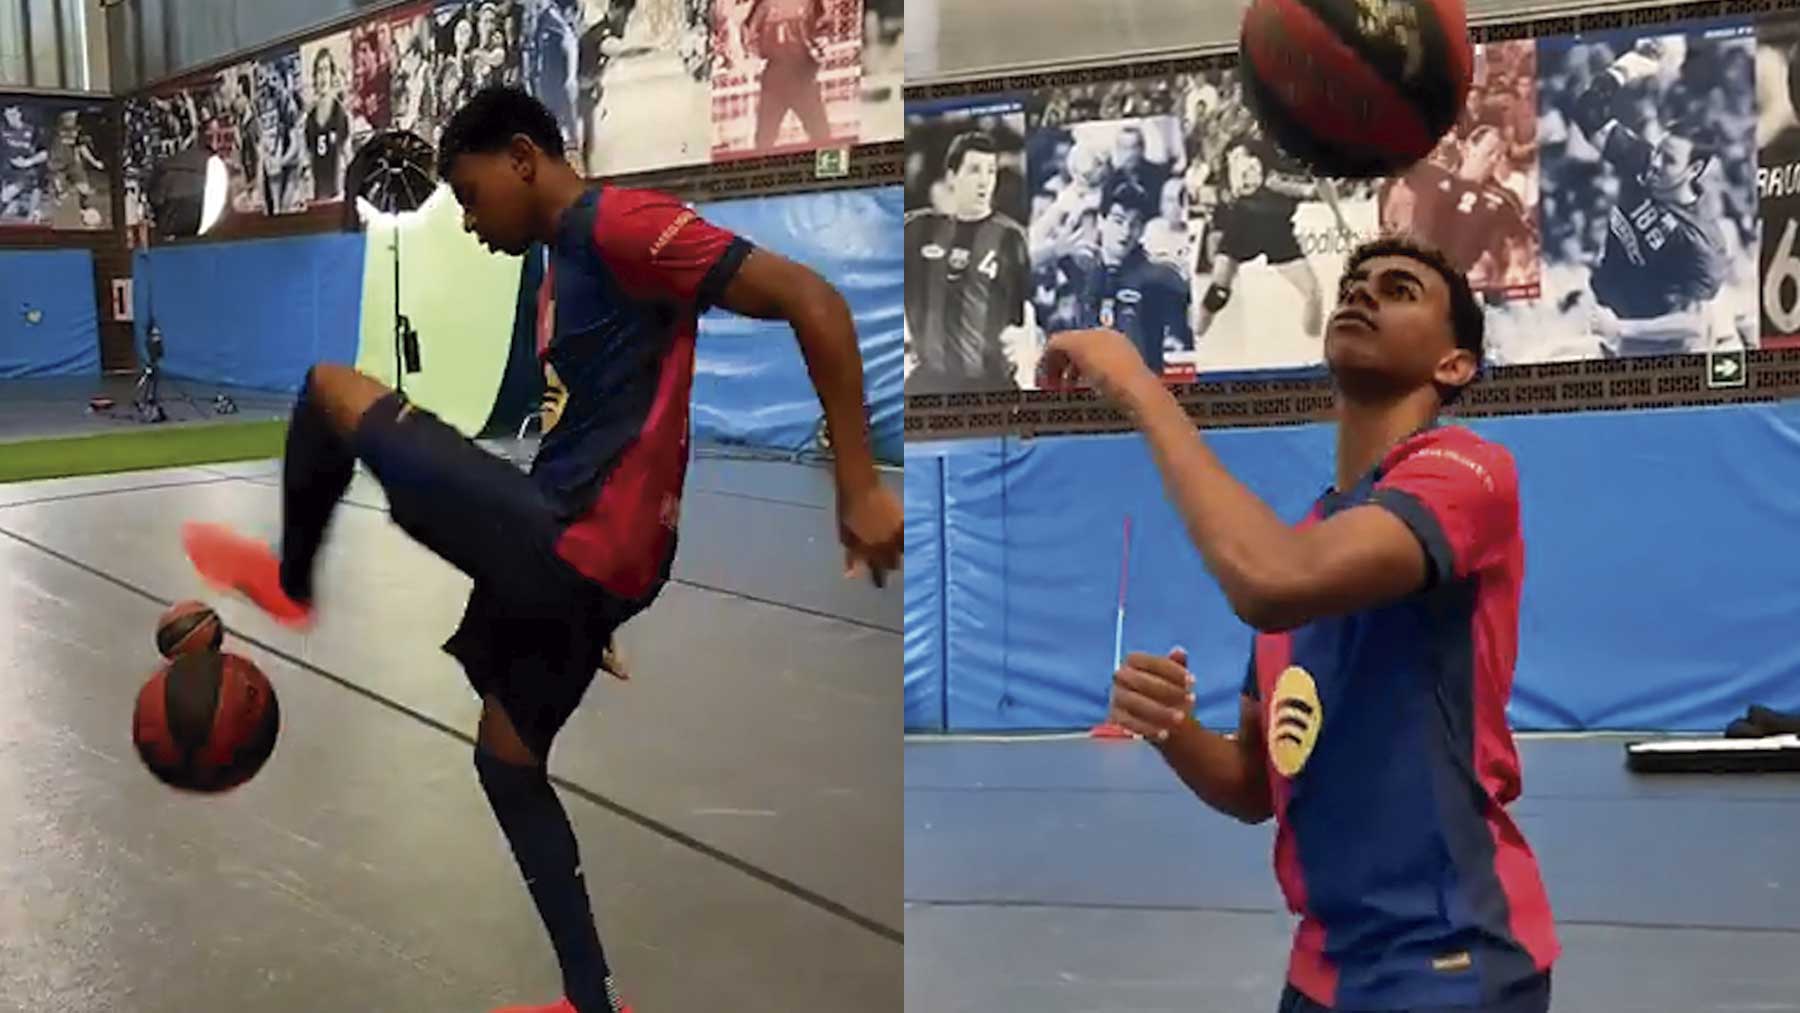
(660, 249)
(1461, 501)
(1628, 152)
(1018, 271)
(1249, 687)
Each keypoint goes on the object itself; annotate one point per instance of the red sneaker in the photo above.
(560, 1007)
(231, 562)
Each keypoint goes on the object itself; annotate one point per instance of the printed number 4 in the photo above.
(1781, 289)
(990, 266)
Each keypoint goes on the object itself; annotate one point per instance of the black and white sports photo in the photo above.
(1649, 196)
(1269, 237)
(286, 161)
(968, 261)
(325, 66)
(1109, 233)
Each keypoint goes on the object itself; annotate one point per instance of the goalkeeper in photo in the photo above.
(1660, 286)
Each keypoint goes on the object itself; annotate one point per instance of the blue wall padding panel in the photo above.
(49, 325)
(253, 314)
(923, 599)
(1659, 594)
(751, 385)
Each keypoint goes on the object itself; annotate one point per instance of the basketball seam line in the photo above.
(643, 821)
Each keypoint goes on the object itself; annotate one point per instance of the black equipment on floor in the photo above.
(393, 173)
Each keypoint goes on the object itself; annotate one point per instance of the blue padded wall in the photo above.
(923, 598)
(1659, 591)
(253, 314)
(48, 322)
(750, 385)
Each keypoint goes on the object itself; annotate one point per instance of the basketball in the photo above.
(206, 722)
(1357, 89)
(187, 627)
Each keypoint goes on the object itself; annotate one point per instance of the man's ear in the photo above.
(524, 152)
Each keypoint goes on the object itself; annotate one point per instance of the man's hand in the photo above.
(1103, 359)
(872, 525)
(1153, 696)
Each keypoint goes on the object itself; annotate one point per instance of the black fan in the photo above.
(393, 172)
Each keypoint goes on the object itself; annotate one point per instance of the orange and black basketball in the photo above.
(1356, 89)
(206, 722)
(188, 627)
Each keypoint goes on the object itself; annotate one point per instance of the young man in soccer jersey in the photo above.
(1372, 720)
(560, 558)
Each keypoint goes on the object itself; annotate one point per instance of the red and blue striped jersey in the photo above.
(630, 273)
(1390, 759)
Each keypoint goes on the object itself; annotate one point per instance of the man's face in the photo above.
(1484, 154)
(1391, 330)
(1120, 228)
(1672, 165)
(495, 191)
(974, 182)
(15, 117)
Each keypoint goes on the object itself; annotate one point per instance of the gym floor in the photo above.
(37, 409)
(738, 803)
(1079, 875)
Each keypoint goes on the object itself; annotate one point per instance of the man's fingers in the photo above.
(1163, 668)
(1152, 687)
(1132, 724)
(1149, 709)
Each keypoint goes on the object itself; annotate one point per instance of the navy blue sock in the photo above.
(543, 844)
(315, 472)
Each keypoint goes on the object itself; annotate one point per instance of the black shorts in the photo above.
(1247, 234)
(534, 630)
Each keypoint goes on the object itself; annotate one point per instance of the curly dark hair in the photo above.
(489, 121)
(1468, 322)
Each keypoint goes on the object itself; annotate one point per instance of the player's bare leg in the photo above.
(1300, 274)
(1218, 292)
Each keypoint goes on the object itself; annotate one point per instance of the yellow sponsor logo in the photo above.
(1295, 717)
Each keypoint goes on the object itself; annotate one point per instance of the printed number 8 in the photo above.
(1467, 204)
(1781, 288)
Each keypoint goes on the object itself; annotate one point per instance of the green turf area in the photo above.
(141, 449)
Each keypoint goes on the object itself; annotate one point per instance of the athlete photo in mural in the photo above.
(326, 64)
(786, 75)
(414, 104)
(968, 264)
(1778, 177)
(24, 164)
(883, 116)
(643, 84)
(234, 131)
(281, 110)
(1476, 196)
(1270, 237)
(372, 80)
(1108, 234)
(1649, 196)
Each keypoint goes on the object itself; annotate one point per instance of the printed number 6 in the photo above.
(1781, 288)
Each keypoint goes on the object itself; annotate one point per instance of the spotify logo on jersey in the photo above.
(1293, 721)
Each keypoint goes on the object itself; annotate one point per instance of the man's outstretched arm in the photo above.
(771, 287)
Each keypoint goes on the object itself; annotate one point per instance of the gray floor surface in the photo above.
(738, 802)
(1072, 876)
